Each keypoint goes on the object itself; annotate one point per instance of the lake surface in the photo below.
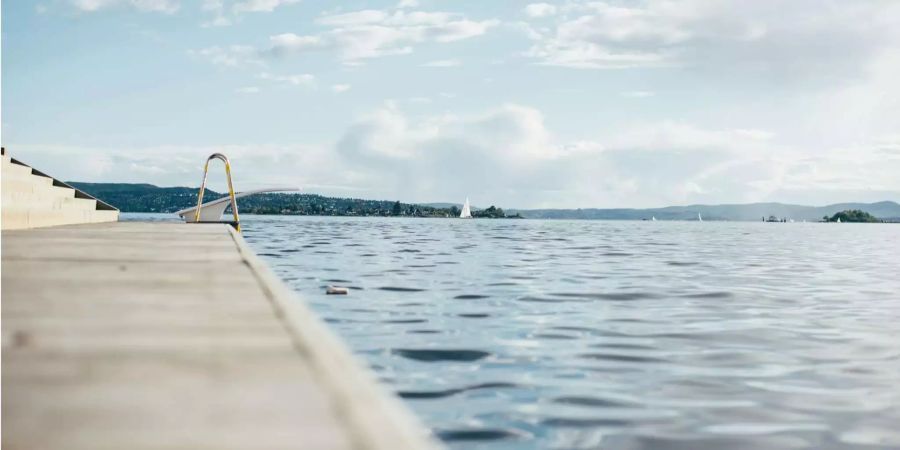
(512, 334)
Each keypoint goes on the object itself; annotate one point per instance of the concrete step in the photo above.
(16, 175)
(8, 166)
(41, 201)
(18, 217)
(36, 187)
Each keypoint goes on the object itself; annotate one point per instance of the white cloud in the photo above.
(867, 107)
(365, 34)
(407, 4)
(354, 36)
(340, 88)
(508, 156)
(290, 42)
(593, 57)
(93, 5)
(163, 6)
(797, 39)
(605, 36)
(443, 63)
(540, 10)
(248, 90)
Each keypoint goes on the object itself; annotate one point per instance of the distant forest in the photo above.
(150, 198)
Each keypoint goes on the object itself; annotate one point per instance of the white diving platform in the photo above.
(213, 211)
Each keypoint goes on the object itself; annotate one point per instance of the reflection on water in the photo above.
(625, 335)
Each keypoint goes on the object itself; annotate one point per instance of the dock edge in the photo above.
(378, 420)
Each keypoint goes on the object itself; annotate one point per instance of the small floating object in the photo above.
(334, 290)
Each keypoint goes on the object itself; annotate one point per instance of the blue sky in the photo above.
(520, 104)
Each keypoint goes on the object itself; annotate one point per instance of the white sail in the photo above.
(699, 217)
(466, 210)
(653, 218)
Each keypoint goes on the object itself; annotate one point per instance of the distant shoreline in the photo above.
(148, 198)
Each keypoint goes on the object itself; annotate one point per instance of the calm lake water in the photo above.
(621, 335)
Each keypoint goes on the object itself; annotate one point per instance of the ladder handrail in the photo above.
(234, 208)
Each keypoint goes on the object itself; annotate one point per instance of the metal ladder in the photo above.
(236, 223)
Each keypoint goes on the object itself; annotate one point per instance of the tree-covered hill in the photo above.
(144, 197)
(150, 198)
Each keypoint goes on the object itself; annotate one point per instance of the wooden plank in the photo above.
(160, 335)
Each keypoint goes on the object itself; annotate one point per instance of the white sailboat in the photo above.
(653, 218)
(699, 217)
(466, 210)
(838, 220)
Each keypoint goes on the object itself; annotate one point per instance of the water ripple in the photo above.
(455, 391)
(400, 289)
(435, 355)
(483, 434)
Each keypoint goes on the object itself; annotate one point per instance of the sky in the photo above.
(514, 103)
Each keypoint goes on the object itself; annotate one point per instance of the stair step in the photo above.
(40, 188)
(15, 175)
(20, 218)
(40, 201)
(9, 166)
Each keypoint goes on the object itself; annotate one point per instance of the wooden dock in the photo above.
(137, 335)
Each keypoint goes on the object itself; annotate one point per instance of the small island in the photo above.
(852, 215)
(493, 212)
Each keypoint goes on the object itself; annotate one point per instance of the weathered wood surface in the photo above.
(163, 335)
